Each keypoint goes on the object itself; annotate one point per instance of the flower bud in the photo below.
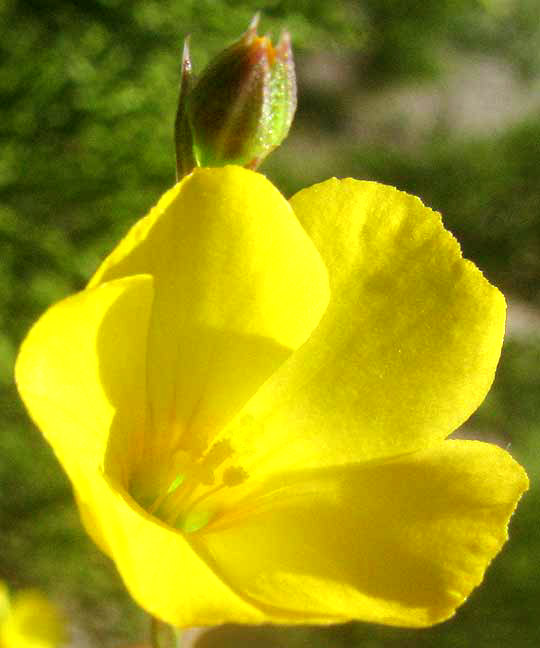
(242, 106)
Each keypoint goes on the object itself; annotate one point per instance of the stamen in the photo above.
(187, 511)
(177, 482)
(217, 454)
(234, 475)
(179, 503)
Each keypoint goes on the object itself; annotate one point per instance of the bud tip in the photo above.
(254, 22)
(186, 56)
(251, 31)
(284, 47)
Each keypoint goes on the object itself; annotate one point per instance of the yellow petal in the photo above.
(160, 568)
(401, 542)
(81, 374)
(33, 622)
(81, 370)
(238, 284)
(4, 601)
(405, 352)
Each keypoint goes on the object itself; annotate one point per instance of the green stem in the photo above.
(163, 635)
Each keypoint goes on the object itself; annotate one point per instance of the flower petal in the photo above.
(405, 352)
(160, 568)
(81, 373)
(81, 369)
(33, 622)
(401, 542)
(238, 284)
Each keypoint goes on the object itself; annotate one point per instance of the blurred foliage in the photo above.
(488, 190)
(408, 38)
(508, 28)
(88, 93)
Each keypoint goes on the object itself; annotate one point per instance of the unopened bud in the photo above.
(242, 106)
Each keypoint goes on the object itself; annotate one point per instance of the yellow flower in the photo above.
(251, 399)
(29, 620)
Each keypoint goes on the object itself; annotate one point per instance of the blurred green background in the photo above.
(437, 97)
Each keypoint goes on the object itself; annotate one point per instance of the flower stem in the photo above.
(163, 635)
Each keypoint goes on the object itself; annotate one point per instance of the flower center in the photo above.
(185, 497)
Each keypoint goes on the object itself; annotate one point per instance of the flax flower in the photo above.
(251, 399)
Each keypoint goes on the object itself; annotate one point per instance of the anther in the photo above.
(234, 476)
